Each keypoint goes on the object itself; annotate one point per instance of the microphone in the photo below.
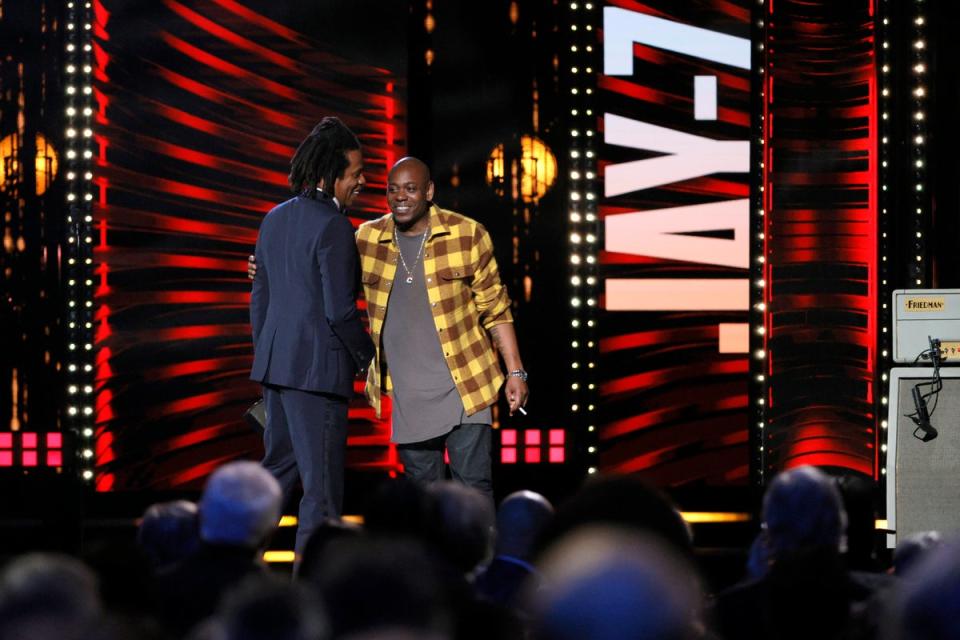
(924, 430)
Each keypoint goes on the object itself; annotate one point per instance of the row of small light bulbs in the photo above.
(79, 154)
(918, 140)
(583, 220)
(885, 132)
(760, 266)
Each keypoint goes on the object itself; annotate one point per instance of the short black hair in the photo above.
(321, 157)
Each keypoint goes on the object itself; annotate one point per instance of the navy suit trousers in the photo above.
(306, 439)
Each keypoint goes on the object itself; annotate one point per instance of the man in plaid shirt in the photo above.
(435, 301)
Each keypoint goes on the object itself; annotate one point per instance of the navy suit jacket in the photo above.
(307, 332)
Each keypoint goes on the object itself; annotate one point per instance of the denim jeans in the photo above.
(469, 448)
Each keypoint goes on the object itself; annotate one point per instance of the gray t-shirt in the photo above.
(426, 403)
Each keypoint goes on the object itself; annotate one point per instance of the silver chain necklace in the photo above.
(409, 270)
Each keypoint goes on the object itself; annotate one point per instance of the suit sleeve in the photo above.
(340, 271)
(260, 295)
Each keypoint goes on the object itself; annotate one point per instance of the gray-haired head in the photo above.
(802, 511)
(240, 505)
(609, 583)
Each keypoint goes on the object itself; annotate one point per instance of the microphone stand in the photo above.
(921, 416)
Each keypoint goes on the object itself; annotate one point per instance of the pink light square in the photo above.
(6, 440)
(557, 437)
(54, 440)
(531, 437)
(557, 455)
(6, 458)
(531, 456)
(29, 440)
(508, 456)
(29, 458)
(508, 437)
(54, 458)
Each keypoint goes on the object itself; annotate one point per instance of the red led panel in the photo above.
(29, 458)
(54, 458)
(28, 440)
(557, 437)
(54, 440)
(6, 458)
(820, 177)
(557, 455)
(6, 440)
(531, 456)
(531, 437)
(508, 456)
(197, 119)
(508, 437)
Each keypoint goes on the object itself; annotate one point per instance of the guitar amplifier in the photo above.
(921, 314)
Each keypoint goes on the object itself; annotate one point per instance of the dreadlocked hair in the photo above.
(321, 157)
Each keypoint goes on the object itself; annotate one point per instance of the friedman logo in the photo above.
(924, 304)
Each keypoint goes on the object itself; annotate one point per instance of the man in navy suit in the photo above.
(309, 343)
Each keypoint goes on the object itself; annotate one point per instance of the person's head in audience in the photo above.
(803, 514)
(397, 507)
(856, 492)
(927, 604)
(461, 524)
(169, 532)
(521, 519)
(375, 585)
(912, 550)
(240, 506)
(311, 563)
(623, 501)
(268, 608)
(611, 583)
(48, 596)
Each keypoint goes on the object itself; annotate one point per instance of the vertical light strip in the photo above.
(759, 320)
(78, 271)
(918, 129)
(886, 225)
(583, 224)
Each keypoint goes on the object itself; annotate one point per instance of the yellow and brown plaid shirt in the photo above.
(466, 298)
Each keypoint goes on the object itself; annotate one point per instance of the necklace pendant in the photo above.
(409, 279)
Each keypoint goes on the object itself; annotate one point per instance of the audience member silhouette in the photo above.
(913, 549)
(399, 508)
(375, 585)
(169, 532)
(807, 591)
(927, 604)
(268, 608)
(311, 564)
(608, 583)
(48, 596)
(521, 519)
(460, 525)
(856, 491)
(624, 501)
(239, 510)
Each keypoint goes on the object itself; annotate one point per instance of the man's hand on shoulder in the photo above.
(251, 266)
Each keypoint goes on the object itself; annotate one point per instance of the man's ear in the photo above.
(430, 190)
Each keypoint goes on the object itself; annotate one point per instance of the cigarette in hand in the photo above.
(522, 410)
